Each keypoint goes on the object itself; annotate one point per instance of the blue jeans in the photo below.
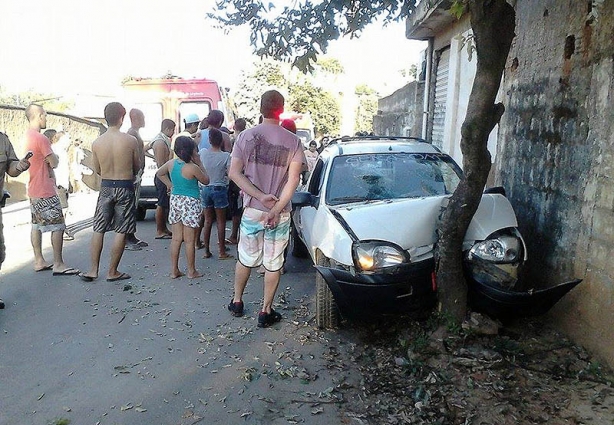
(214, 196)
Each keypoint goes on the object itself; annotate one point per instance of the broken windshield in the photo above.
(379, 176)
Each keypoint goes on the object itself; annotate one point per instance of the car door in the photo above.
(307, 214)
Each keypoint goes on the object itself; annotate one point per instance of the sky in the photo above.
(88, 46)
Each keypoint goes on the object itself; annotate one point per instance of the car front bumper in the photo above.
(405, 290)
(148, 197)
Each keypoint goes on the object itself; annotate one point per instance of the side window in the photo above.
(200, 108)
(317, 178)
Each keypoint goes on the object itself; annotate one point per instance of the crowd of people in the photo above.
(202, 174)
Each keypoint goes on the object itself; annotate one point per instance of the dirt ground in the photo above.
(431, 373)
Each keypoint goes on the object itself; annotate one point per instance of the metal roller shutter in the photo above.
(441, 96)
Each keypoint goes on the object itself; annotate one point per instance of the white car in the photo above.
(368, 217)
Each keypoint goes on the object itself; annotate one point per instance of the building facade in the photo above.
(554, 148)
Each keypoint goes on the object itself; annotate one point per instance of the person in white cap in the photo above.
(190, 129)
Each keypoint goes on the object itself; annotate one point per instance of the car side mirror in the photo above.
(303, 199)
(5, 196)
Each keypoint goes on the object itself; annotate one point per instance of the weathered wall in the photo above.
(13, 122)
(400, 114)
(556, 153)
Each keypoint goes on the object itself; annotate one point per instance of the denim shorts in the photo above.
(214, 196)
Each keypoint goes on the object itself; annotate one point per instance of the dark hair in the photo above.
(314, 143)
(215, 137)
(271, 104)
(114, 112)
(50, 133)
(184, 148)
(167, 123)
(289, 125)
(240, 124)
(215, 118)
(204, 124)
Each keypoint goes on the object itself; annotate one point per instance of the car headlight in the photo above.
(503, 249)
(373, 255)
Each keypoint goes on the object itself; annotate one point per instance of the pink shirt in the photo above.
(41, 185)
(267, 151)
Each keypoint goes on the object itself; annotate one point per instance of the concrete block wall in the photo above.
(400, 114)
(13, 123)
(556, 157)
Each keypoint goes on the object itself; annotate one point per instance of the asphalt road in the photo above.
(153, 350)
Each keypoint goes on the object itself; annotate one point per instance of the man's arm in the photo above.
(227, 145)
(53, 160)
(141, 153)
(95, 161)
(138, 159)
(294, 176)
(163, 175)
(14, 167)
(236, 174)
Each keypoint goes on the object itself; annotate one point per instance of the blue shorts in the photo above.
(214, 196)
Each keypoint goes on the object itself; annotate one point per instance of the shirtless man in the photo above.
(116, 157)
(137, 121)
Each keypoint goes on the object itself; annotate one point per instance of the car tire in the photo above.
(140, 213)
(299, 250)
(327, 312)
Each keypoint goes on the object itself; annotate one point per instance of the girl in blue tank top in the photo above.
(181, 176)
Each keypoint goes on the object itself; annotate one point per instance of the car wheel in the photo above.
(299, 249)
(140, 213)
(327, 312)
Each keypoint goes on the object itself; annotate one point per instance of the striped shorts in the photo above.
(115, 210)
(259, 244)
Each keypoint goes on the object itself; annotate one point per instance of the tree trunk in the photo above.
(493, 23)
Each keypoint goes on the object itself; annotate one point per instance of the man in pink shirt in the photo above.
(266, 164)
(44, 202)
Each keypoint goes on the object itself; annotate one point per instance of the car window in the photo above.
(317, 178)
(366, 177)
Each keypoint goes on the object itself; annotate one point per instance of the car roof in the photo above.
(378, 144)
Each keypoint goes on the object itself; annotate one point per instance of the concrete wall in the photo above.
(556, 153)
(400, 114)
(13, 122)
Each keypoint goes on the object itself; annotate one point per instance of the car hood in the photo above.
(411, 223)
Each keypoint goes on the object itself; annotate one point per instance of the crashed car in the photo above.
(368, 215)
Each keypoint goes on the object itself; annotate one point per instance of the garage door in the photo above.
(441, 96)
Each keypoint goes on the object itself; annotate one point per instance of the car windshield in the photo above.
(368, 177)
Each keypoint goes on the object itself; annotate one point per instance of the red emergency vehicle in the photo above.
(172, 98)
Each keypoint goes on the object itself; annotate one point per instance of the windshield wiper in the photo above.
(345, 199)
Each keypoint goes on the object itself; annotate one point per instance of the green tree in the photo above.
(331, 65)
(301, 32)
(267, 74)
(324, 108)
(303, 95)
(366, 109)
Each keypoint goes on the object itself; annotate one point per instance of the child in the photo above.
(181, 176)
(215, 194)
